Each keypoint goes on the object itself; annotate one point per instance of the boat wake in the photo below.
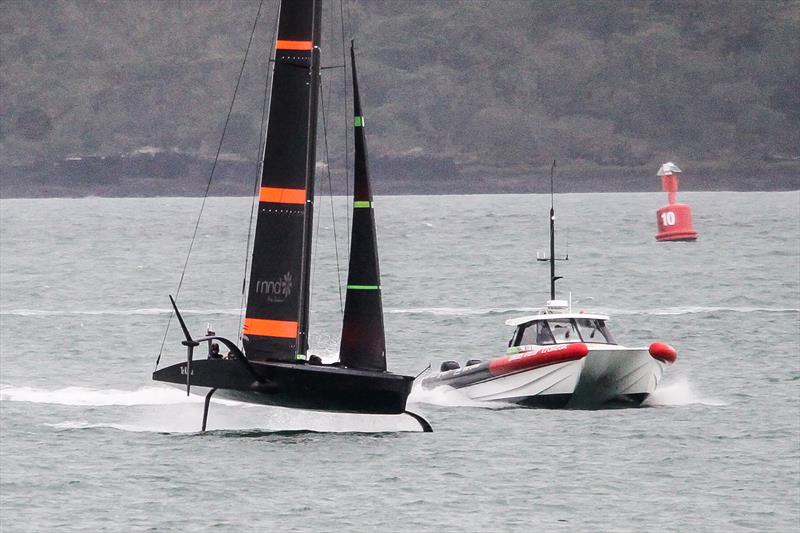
(694, 310)
(678, 394)
(459, 311)
(435, 311)
(685, 310)
(168, 410)
(80, 396)
(119, 312)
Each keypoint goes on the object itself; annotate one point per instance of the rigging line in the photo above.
(211, 177)
(259, 170)
(314, 258)
(349, 24)
(346, 128)
(316, 239)
(330, 188)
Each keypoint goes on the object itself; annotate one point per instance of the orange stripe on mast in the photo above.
(283, 44)
(270, 328)
(282, 196)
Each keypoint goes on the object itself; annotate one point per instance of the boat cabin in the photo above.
(548, 329)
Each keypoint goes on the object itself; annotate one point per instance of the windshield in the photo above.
(594, 331)
(562, 331)
(536, 333)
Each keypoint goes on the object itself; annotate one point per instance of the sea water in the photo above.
(89, 443)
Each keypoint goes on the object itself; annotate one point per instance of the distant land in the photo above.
(129, 98)
(166, 174)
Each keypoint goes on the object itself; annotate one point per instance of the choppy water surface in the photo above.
(89, 443)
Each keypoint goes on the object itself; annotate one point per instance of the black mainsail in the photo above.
(276, 320)
(363, 341)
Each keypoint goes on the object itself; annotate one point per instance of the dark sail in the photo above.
(363, 341)
(276, 321)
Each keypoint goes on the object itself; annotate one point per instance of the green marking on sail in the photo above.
(364, 287)
(358, 122)
(362, 204)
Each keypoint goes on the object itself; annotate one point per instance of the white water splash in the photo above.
(446, 396)
(187, 419)
(169, 410)
(678, 394)
(81, 396)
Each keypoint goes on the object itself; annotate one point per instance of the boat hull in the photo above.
(544, 377)
(603, 374)
(618, 375)
(296, 385)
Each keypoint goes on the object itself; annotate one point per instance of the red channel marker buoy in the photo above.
(674, 219)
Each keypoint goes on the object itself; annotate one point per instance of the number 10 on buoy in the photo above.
(674, 219)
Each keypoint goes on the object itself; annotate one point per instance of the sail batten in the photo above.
(363, 342)
(276, 318)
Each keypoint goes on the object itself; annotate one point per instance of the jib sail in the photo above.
(363, 341)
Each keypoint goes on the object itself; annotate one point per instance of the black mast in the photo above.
(363, 340)
(553, 276)
(276, 320)
(311, 163)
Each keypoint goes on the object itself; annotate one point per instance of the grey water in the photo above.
(89, 443)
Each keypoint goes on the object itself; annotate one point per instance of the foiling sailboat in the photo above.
(274, 367)
(560, 358)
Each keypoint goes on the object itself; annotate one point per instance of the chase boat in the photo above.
(560, 358)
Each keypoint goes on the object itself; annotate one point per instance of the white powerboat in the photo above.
(560, 358)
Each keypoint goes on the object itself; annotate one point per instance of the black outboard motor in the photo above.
(473, 362)
(448, 365)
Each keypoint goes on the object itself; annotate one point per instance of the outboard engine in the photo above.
(448, 365)
(473, 362)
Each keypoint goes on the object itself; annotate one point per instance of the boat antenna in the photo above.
(553, 276)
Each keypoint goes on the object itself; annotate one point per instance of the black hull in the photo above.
(297, 385)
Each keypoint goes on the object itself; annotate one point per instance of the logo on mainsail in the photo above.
(276, 290)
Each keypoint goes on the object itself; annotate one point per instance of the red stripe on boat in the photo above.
(541, 357)
(663, 351)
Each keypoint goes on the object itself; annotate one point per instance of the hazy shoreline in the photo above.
(177, 175)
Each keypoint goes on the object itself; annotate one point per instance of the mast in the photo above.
(553, 276)
(363, 342)
(311, 163)
(276, 319)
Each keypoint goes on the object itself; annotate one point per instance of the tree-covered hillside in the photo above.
(470, 88)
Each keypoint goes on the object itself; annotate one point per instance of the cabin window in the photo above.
(592, 330)
(535, 333)
(564, 331)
